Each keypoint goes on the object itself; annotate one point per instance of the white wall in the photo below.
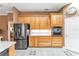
(72, 33)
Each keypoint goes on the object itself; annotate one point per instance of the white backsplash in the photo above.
(40, 32)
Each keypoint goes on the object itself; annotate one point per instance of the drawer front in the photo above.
(57, 41)
(31, 41)
(44, 42)
(57, 45)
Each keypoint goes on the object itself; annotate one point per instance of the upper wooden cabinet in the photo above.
(44, 22)
(57, 19)
(36, 21)
(23, 19)
(32, 22)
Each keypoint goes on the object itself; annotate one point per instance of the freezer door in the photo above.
(21, 44)
(24, 44)
(18, 44)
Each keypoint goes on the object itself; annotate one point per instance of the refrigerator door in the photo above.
(21, 36)
(17, 31)
(21, 44)
(18, 44)
(24, 45)
(26, 29)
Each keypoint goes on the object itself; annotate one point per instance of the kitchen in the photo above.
(34, 27)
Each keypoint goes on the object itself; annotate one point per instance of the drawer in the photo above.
(57, 38)
(31, 41)
(57, 45)
(44, 44)
(57, 41)
(44, 41)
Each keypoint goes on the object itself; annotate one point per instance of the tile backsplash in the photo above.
(40, 32)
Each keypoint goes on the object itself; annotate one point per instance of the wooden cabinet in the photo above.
(36, 41)
(11, 50)
(57, 41)
(32, 22)
(57, 19)
(31, 41)
(44, 22)
(44, 41)
(40, 41)
(23, 19)
(37, 23)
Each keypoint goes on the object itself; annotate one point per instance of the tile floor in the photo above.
(45, 52)
(41, 52)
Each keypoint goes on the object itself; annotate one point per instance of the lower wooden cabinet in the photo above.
(11, 50)
(37, 41)
(57, 41)
(31, 41)
(46, 41)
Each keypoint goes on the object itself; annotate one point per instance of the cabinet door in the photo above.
(32, 22)
(31, 41)
(36, 41)
(23, 19)
(37, 22)
(44, 42)
(11, 50)
(57, 41)
(44, 22)
(57, 19)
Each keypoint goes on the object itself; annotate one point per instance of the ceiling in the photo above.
(46, 7)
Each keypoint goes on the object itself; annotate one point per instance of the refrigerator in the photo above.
(21, 36)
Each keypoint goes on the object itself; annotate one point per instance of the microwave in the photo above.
(56, 30)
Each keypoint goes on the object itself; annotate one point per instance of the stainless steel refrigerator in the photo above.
(21, 35)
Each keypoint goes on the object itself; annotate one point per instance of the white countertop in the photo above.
(40, 33)
(5, 45)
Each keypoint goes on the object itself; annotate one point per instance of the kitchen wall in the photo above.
(72, 33)
(4, 24)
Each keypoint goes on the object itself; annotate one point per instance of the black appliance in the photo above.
(56, 31)
(21, 35)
